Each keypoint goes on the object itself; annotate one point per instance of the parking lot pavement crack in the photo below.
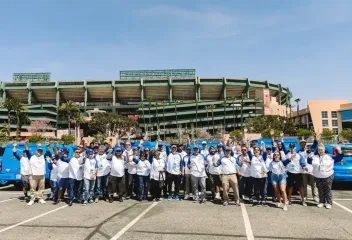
(97, 229)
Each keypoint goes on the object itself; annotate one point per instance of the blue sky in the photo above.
(303, 44)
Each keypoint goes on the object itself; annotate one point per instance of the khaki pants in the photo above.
(37, 183)
(308, 179)
(227, 181)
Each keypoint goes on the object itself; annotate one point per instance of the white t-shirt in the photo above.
(63, 170)
(294, 166)
(117, 166)
(277, 167)
(228, 165)
(183, 154)
(323, 166)
(197, 163)
(245, 167)
(75, 169)
(143, 168)
(212, 169)
(187, 170)
(124, 154)
(174, 163)
(25, 169)
(258, 166)
(89, 167)
(131, 169)
(204, 152)
(103, 165)
(309, 167)
(157, 165)
(37, 165)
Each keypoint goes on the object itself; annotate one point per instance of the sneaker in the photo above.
(328, 206)
(203, 200)
(285, 208)
(177, 198)
(97, 200)
(289, 203)
(217, 196)
(225, 204)
(26, 199)
(111, 200)
(156, 200)
(304, 204)
(57, 202)
(195, 199)
(120, 199)
(127, 197)
(70, 203)
(84, 203)
(279, 205)
(186, 197)
(41, 201)
(169, 198)
(91, 201)
(31, 202)
(320, 205)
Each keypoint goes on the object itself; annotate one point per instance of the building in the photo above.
(321, 114)
(170, 103)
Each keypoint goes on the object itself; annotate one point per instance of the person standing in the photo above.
(187, 176)
(214, 172)
(132, 173)
(117, 175)
(143, 172)
(229, 177)
(174, 169)
(89, 176)
(37, 172)
(259, 174)
(323, 171)
(198, 175)
(52, 165)
(246, 181)
(157, 175)
(25, 170)
(75, 178)
(62, 171)
(204, 151)
(102, 175)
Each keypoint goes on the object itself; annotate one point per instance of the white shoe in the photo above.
(279, 205)
(217, 196)
(186, 197)
(42, 201)
(31, 202)
(285, 208)
(320, 205)
(328, 206)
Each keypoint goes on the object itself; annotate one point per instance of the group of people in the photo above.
(120, 172)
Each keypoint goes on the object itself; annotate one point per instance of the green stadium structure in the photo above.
(169, 103)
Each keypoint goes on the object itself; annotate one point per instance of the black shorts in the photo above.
(294, 179)
(25, 181)
(215, 180)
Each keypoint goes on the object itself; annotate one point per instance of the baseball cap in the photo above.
(64, 149)
(134, 148)
(90, 152)
(292, 145)
(268, 148)
(195, 147)
(173, 146)
(228, 149)
(303, 141)
(146, 149)
(160, 144)
(180, 145)
(118, 149)
(204, 142)
(220, 145)
(188, 148)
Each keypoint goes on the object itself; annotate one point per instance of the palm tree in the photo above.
(207, 108)
(242, 111)
(212, 107)
(225, 105)
(69, 109)
(297, 100)
(78, 118)
(150, 99)
(9, 105)
(19, 109)
(287, 104)
(142, 106)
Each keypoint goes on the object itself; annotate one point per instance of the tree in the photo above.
(9, 105)
(68, 110)
(347, 134)
(327, 134)
(260, 123)
(4, 134)
(150, 99)
(117, 125)
(202, 134)
(237, 134)
(78, 119)
(38, 126)
(35, 138)
(305, 133)
(67, 139)
(21, 116)
(267, 133)
(297, 100)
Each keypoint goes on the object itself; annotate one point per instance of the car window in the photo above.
(347, 151)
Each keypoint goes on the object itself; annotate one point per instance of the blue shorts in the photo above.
(278, 179)
(63, 183)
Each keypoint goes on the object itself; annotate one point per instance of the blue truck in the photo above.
(343, 169)
(10, 166)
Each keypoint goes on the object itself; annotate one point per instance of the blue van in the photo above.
(10, 166)
(343, 169)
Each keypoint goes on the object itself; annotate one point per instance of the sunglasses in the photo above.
(118, 151)
(77, 152)
(243, 149)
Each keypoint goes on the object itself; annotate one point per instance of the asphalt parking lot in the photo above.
(173, 220)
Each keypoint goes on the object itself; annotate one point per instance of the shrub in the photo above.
(67, 139)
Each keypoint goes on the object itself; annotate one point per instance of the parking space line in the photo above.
(31, 219)
(125, 229)
(343, 207)
(10, 186)
(7, 200)
(343, 199)
(247, 223)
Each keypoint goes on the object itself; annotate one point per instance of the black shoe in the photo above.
(57, 202)
(111, 200)
(69, 203)
(120, 199)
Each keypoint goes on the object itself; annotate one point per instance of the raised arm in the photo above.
(29, 155)
(14, 150)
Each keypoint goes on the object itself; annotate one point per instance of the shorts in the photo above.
(294, 178)
(63, 183)
(278, 179)
(215, 180)
(25, 181)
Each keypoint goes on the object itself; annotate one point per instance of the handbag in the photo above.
(161, 182)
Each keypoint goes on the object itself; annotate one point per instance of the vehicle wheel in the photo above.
(18, 186)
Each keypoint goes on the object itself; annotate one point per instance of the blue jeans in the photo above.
(75, 186)
(54, 188)
(88, 189)
(102, 186)
(143, 182)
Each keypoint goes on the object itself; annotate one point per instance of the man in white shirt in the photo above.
(37, 171)
(117, 175)
(215, 173)
(76, 177)
(101, 186)
(174, 170)
(187, 176)
(204, 150)
(24, 163)
(197, 165)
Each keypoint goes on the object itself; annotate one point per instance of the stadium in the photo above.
(169, 98)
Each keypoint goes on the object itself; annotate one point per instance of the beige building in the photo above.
(271, 104)
(321, 114)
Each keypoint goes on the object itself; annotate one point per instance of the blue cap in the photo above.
(134, 148)
(160, 144)
(118, 149)
(195, 147)
(90, 152)
(220, 145)
(64, 149)
(228, 149)
(146, 149)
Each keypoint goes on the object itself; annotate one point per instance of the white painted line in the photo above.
(343, 199)
(125, 229)
(9, 186)
(343, 207)
(247, 223)
(31, 219)
(7, 200)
